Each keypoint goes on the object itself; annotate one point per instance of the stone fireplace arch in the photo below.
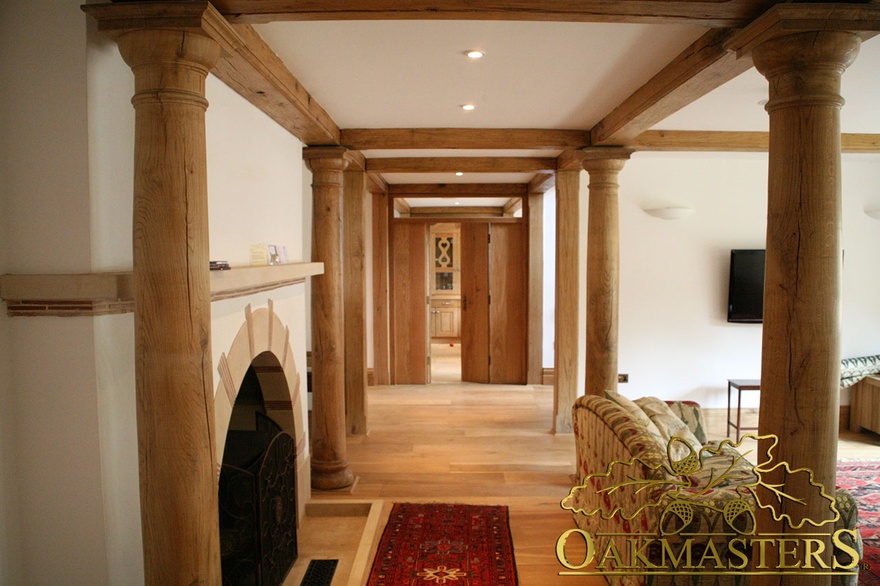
(263, 341)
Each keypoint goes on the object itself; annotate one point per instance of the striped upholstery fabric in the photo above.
(606, 433)
(852, 370)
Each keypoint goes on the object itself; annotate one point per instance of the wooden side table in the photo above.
(740, 384)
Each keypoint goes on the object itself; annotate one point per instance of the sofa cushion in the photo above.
(669, 425)
(639, 416)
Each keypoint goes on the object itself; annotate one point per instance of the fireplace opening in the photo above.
(257, 488)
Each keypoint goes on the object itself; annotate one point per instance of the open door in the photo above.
(409, 304)
(494, 281)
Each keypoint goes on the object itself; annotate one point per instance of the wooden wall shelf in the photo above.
(111, 293)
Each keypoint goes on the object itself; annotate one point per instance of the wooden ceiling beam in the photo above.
(458, 190)
(732, 142)
(699, 69)
(464, 164)
(247, 64)
(542, 182)
(463, 138)
(708, 13)
(457, 212)
(256, 73)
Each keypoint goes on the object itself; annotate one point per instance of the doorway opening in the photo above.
(444, 289)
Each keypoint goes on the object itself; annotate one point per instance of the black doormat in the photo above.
(319, 573)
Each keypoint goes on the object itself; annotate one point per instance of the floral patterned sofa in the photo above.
(614, 429)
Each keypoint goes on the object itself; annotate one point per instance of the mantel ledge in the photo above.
(112, 292)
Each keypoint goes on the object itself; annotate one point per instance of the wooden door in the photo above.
(409, 304)
(508, 303)
(475, 303)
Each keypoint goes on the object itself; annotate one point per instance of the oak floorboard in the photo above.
(489, 444)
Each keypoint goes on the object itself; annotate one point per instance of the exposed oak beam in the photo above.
(259, 75)
(702, 67)
(699, 12)
(718, 141)
(458, 190)
(465, 164)
(512, 206)
(463, 138)
(247, 64)
(456, 212)
(542, 183)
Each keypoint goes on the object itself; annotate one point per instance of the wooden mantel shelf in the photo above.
(111, 293)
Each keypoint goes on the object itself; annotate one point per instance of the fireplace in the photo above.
(257, 490)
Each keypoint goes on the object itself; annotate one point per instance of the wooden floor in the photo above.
(484, 444)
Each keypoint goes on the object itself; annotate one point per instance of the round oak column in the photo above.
(330, 468)
(800, 372)
(172, 306)
(603, 267)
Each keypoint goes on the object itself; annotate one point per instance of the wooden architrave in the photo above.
(697, 12)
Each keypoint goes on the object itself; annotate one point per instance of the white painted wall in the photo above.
(675, 342)
(69, 491)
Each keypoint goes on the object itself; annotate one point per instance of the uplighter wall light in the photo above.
(670, 213)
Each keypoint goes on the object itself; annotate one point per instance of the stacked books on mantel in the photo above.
(219, 265)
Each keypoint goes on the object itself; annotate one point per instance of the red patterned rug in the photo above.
(441, 544)
(862, 479)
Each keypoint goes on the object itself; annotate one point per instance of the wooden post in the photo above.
(567, 279)
(536, 288)
(329, 458)
(381, 323)
(172, 300)
(355, 283)
(603, 267)
(800, 372)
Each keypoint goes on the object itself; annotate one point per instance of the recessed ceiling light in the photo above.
(459, 173)
(458, 203)
(475, 54)
(468, 107)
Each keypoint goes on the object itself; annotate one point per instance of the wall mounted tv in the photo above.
(745, 299)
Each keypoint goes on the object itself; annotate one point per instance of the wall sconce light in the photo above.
(874, 213)
(670, 213)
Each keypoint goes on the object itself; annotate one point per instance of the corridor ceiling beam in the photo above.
(463, 164)
(463, 138)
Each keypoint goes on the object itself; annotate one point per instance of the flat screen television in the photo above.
(745, 299)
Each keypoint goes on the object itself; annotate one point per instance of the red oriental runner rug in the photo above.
(862, 479)
(440, 544)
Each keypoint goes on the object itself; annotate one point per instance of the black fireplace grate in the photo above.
(319, 573)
